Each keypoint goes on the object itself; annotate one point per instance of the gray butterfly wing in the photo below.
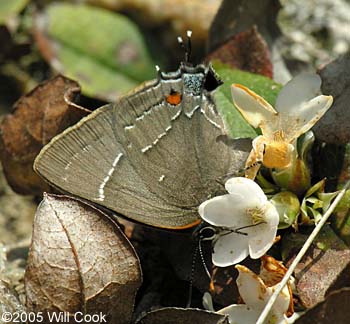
(154, 166)
(82, 160)
(174, 148)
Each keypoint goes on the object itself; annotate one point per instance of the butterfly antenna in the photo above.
(159, 73)
(181, 43)
(200, 250)
(188, 47)
(193, 267)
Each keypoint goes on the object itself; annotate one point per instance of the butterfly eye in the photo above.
(174, 98)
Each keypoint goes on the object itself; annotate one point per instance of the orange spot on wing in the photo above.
(174, 98)
(196, 222)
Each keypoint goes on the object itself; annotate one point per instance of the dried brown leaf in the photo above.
(80, 261)
(37, 117)
(246, 51)
(172, 315)
(334, 309)
(334, 126)
(234, 17)
(318, 272)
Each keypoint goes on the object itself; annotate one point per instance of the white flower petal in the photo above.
(201, 208)
(299, 119)
(256, 294)
(230, 249)
(255, 109)
(251, 288)
(240, 314)
(275, 318)
(294, 317)
(243, 314)
(223, 211)
(207, 302)
(300, 89)
(245, 187)
(261, 237)
(282, 302)
(231, 210)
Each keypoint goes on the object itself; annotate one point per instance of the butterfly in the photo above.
(153, 156)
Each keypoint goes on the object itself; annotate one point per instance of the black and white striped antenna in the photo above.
(188, 47)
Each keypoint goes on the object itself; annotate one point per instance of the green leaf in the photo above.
(315, 199)
(104, 51)
(235, 123)
(312, 200)
(304, 145)
(316, 188)
(268, 187)
(288, 208)
(327, 198)
(265, 87)
(10, 9)
(317, 204)
(316, 215)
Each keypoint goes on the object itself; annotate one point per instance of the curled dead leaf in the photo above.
(37, 117)
(79, 260)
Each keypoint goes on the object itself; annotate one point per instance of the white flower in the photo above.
(255, 294)
(246, 222)
(298, 108)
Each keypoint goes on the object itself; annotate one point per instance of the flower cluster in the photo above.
(244, 219)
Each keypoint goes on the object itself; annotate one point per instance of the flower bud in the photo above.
(296, 177)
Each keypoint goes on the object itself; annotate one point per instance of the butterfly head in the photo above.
(196, 78)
